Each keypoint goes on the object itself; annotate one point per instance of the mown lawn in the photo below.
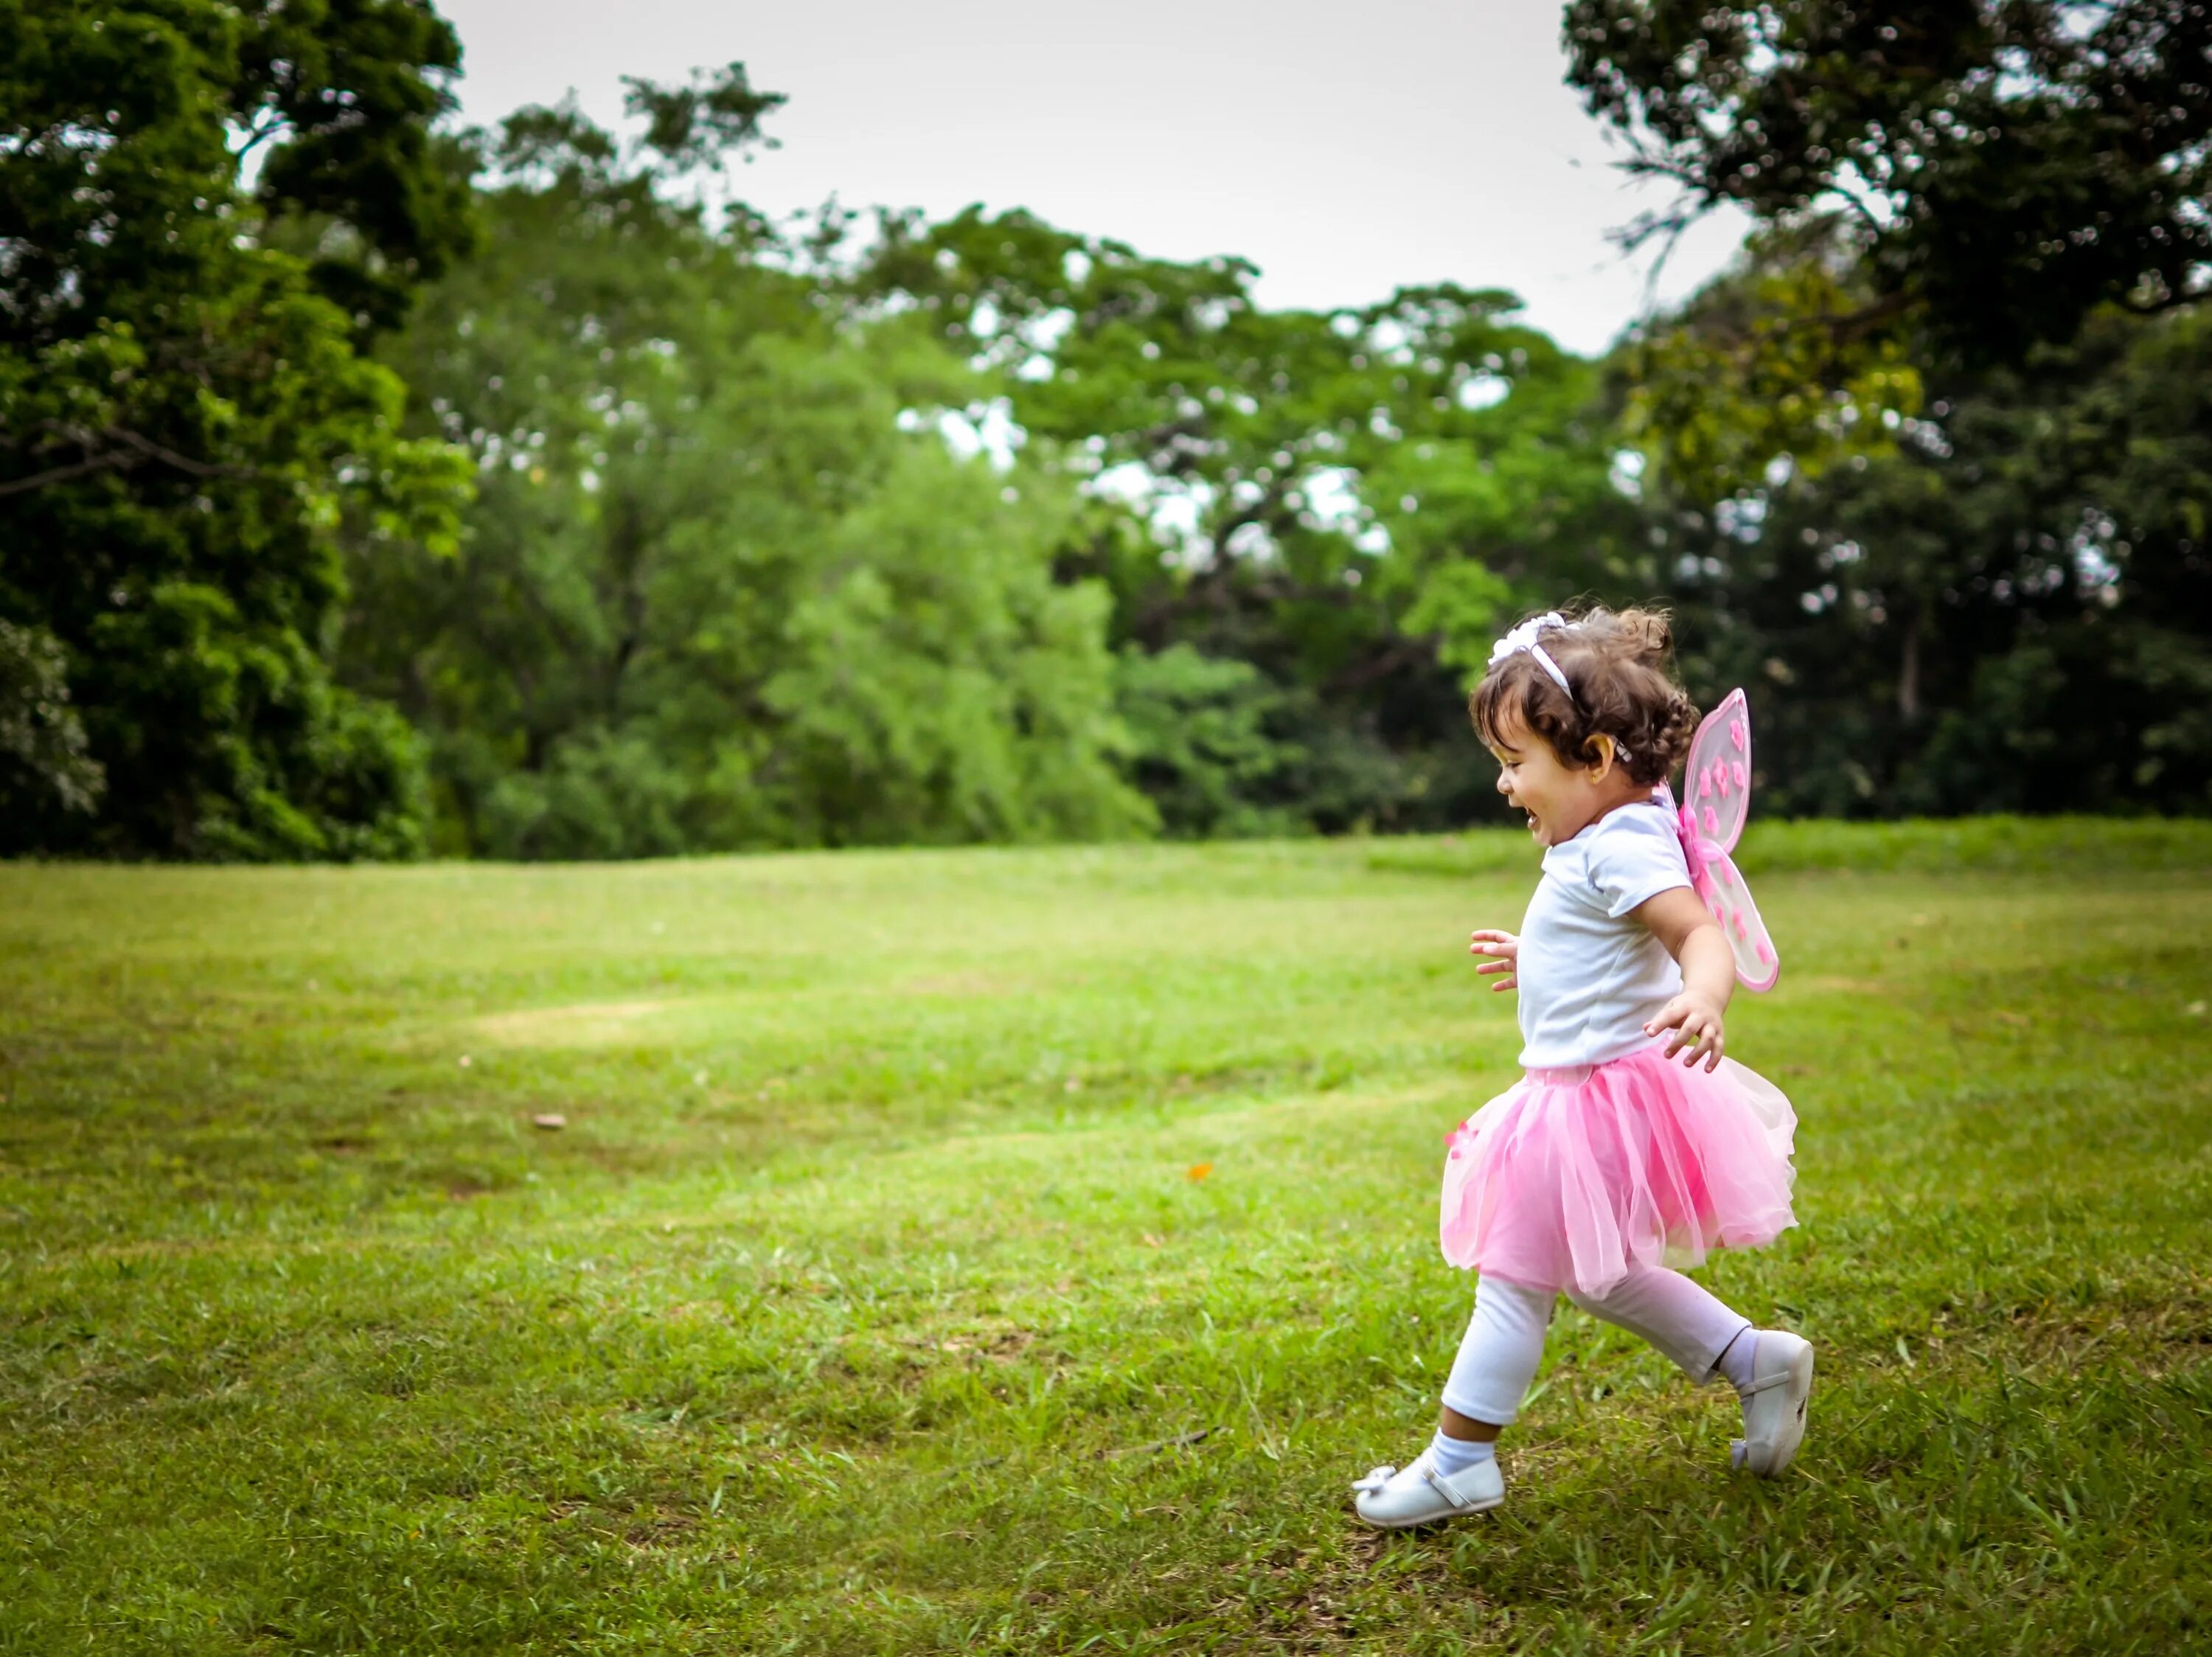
(915, 1213)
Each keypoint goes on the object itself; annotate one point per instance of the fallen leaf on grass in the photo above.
(1198, 1171)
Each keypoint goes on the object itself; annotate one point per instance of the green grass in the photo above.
(861, 1302)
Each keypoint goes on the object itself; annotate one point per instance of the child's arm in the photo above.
(1680, 921)
(1504, 949)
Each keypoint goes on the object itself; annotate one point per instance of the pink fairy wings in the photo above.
(1716, 782)
(1757, 966)
(1716, 801)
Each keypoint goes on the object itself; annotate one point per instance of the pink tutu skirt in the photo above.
(1573, 1179)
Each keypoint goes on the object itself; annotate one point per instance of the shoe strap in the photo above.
(1447, 1490)
(1782, 1379)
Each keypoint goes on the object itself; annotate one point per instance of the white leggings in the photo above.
(1505, 1340)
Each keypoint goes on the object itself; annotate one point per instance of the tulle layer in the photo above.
(1573, 1179)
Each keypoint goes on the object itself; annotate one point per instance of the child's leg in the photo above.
(1771, 1369)
(1457, 1473)
(1497, 1359)
(1682, 1318)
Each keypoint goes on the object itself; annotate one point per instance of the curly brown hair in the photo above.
(1620, 664)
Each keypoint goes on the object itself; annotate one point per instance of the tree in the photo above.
(713, 595)
(1764, 363)
(188, 438)
(1926, 464)
(1346, 502)
(340, 97)
(2003, 606)
(2007, 165)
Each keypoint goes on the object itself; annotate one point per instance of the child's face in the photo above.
(1561, 799)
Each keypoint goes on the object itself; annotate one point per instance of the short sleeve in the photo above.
(1634, 857)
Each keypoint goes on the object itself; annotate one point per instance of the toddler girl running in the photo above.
(1632, 1145)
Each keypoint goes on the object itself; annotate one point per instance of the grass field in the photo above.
(915, 1213)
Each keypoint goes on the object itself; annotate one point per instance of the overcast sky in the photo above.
(1346, 150)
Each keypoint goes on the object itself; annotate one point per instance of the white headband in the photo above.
(1524, 637)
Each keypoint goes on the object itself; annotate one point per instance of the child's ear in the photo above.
(1600, 752)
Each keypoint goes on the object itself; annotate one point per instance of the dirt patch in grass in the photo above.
(585, 1024)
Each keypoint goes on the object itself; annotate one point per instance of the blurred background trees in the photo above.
(190, 440)
(1936, 456)
(367, 487)
(725, 584)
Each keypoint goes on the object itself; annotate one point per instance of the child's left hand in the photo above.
(1697, 1025)
(1504, 949)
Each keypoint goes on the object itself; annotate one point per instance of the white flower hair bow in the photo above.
(1524, 637)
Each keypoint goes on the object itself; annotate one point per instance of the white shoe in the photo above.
(1395, 1498)
(1774, 1404)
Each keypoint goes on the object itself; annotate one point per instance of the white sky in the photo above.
(1345, 149)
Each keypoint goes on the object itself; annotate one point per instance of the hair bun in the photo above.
(1653, 633)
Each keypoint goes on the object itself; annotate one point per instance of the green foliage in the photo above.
(1911, 472)
(343, 93)
(713, 595)
(2012, 165)
(702, 124)
(865, 1301)
(1928, 486)
(2005, 612)
(188, 441)
(1205, 754)
(1771, 359)
(1350, 501)
(43, 751)
(938, 685)
(1311, 527)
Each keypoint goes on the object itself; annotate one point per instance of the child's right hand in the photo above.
(1505, 952)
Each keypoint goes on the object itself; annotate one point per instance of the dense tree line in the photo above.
(192, 440)
(1939, 456)
(367, 488)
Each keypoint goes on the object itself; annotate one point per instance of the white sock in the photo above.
(1738, 1362)
(1451, 1457)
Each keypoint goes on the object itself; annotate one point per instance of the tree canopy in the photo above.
(1334, 510)
(368, 486)
(1932, 452)
(713, 595)
(188, 438)
(2006, 166)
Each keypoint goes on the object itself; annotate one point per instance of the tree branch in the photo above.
(126, 449)
(258, 134)
(61, 474)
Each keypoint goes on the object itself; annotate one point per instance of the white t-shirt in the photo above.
(1590, 977)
